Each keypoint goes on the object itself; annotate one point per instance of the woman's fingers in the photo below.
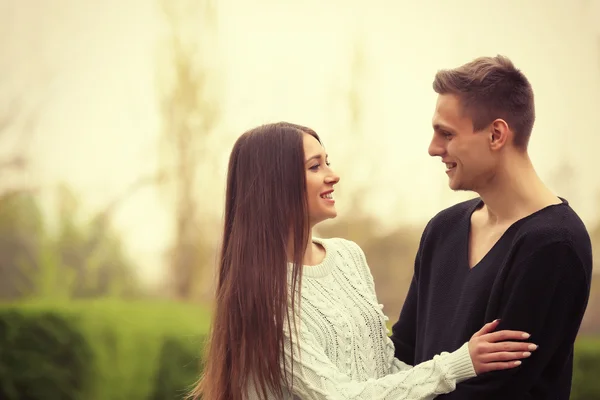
(487, 328)
(481, 347)
(505, 335)
(504, 356)
(492, 351)
(498, 366)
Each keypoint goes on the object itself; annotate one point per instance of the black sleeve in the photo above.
(544, 295)
(404, 330)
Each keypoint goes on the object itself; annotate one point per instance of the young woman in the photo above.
(297, 316)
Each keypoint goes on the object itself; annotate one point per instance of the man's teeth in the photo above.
(327, 196)
(450, 165)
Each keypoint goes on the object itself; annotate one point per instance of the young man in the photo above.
(517, 252)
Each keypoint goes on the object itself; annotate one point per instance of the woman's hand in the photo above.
(492, 351)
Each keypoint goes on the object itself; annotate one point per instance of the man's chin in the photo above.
(460, 188)
(457, 187)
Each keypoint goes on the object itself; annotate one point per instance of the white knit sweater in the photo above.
(344, 351)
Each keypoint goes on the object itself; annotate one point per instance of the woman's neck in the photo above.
(313, 254)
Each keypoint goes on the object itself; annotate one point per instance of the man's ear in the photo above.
(499, 134)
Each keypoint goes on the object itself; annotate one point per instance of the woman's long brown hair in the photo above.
(265, 212)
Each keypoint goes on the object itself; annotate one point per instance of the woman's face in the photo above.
(320, 179)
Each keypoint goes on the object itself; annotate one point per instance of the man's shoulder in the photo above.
(554, 224)
(554, 229)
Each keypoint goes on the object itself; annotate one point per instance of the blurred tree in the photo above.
(591, 320)
(83, 259)
(8, 118)
(351, 150)
(19, 111)
(17, 126)
(90, 254)
(190, 108)
(21, 222)
(21, 233)
(390, 254)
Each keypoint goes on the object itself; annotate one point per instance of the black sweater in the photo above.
(536, 278)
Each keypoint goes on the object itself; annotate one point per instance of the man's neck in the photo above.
(515, 192)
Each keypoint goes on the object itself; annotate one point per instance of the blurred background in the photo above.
(116, 123)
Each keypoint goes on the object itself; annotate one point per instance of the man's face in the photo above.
(465, 153)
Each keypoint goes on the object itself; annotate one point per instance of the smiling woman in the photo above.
(297, 316)
(319, 182)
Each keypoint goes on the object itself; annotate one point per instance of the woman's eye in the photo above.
(315, 167)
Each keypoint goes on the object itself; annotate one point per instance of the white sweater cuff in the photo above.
(460, 365)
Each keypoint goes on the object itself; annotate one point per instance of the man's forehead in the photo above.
(448, 112)
(440, 119)
(447, 103)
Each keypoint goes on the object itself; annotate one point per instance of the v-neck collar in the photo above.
(478, 203)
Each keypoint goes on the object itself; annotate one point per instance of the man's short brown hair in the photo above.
(491, 88)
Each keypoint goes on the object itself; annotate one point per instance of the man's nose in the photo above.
(436, 148)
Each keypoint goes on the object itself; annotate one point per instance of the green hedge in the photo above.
(136, 351)
(31, 345)
(99, 350)
(586, 370)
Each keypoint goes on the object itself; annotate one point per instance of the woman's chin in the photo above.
(323, 218)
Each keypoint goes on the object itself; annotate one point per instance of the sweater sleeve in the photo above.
(404, 331)
(315, 377)
(545, 295)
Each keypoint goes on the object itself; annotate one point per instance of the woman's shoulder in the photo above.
(338, 243)
(346, 252)
(351, 259)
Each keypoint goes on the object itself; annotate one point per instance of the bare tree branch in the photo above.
(16, 162)
(7, 117)
(140, 183)
(20, 119)
(20, 190)
(190, 109)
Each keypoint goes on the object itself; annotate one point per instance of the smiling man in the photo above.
(517, 252)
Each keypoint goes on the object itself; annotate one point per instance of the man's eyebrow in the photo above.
(441, 127)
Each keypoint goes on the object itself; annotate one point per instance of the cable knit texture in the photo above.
(344, 351)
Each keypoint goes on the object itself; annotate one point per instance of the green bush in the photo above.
(178, 369)
(113, 350)
(586, 370)
(100, 350)
(32, 344)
